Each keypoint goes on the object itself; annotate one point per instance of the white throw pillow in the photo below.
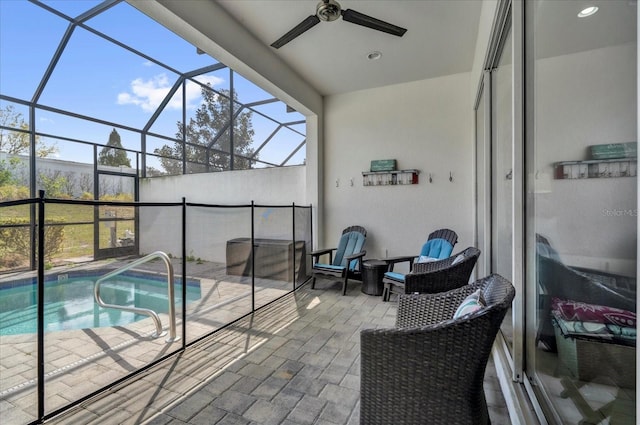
(472, 303)
(458, 259)
(425, 259)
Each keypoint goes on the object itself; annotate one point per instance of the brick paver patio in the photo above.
(296, 361)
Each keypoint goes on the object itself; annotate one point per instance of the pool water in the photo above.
(69, 302)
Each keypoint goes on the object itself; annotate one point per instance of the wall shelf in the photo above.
(386, 178)
(596, 168)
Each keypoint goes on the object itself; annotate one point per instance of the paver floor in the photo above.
(296, 361)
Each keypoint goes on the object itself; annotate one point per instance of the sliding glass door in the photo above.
(502, 170)
(581, 70)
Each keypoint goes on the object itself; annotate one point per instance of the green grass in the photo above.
(78, 238)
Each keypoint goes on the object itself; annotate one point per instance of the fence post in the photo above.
(184, 272)
(293, 224)
(40, 320)
(253, 259)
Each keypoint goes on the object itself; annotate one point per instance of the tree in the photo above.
(153, 172)
(53, 182)
(207, 137)
(5, 174)
(113, 154)
(17, 142)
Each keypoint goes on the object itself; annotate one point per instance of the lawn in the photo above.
(78, 235)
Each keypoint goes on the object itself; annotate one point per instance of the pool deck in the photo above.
(296, 361)
(82, 361)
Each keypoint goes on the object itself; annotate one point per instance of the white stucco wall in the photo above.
(282, 185)
(209, 229)
(425, 125)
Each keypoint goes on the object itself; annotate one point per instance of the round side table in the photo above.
(372, 274)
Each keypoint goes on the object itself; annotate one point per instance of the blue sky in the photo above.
(100, 79)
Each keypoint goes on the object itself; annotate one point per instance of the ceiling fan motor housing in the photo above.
(328, 10)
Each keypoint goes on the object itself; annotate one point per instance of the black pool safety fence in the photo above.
(94, 292)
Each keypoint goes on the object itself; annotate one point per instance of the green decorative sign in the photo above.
(614, 150)
(383, 165)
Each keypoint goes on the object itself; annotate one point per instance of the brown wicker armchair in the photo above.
(435, 276)
(430, 368)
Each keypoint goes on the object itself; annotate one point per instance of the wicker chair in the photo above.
(347, 261)
(447, 235)
(435, 276)
(430, 368)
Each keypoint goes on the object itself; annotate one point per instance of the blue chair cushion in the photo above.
(328, 267)
(395, 276)
(437, 248)
(350, 243)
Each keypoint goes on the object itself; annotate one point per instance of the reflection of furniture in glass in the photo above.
(611, 409)
(430, 368)
(577, 284)
(596, 168)
(439, 245)
(372, 274)
(582, 359)
(274, 259)
(346, 262)
(588, 354)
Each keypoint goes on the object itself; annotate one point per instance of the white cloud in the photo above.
(209, 79)
(148, 94)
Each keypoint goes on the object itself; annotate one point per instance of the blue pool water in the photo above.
(69, 302)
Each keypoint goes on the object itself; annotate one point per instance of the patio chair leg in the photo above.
(385, 292)
(344, 286)
(313, 283)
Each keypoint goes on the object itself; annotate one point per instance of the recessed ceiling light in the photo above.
(587, 11)
(374, 55)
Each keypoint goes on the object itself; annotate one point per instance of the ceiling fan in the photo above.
(330, 10)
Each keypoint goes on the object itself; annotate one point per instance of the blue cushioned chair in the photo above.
(439, 245)
(346, 263)
(435, 276)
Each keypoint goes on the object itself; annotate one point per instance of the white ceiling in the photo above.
(559, 31)
(332, 56)
(440, 39)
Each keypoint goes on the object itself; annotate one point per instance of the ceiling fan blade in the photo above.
(296, 31)
(373, 23)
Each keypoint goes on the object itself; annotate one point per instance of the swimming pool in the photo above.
(69, 301)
